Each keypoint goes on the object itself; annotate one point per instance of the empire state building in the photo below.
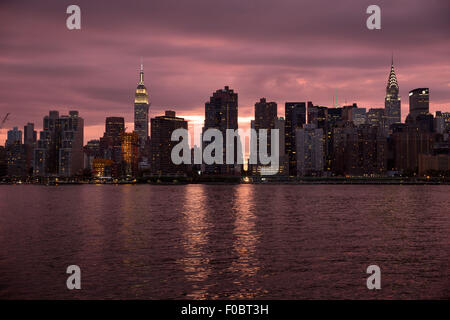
(141, 106)
(392, 100)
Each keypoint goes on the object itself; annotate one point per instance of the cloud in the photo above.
(282, 50)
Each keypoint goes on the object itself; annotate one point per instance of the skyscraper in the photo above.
(162, 144)
(14, 136)
(111, 143)
(310, 152)
(392, 102)
(30, 135)
(59, 151)
(130, 150)
(265, 118)
(141, 106)
(419, 103)
(295, 117)
(221, 113)
(376, 118)
(29, 141)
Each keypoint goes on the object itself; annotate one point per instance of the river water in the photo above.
(224, 241)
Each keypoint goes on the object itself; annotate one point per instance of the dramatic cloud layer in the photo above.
(283, 50)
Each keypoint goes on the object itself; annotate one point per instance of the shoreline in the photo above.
(179, 183)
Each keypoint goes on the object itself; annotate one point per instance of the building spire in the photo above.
(141, 74)
(392, 80)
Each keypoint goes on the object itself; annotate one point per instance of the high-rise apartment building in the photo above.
(310, 152)
(14, 136)
(130, 153)
(162, 128)
(59, 151)
(295, 117)
(221, 113)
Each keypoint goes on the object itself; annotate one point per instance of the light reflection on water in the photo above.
(224, 241)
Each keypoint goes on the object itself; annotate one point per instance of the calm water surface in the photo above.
(224, 242)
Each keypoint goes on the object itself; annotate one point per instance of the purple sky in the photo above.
(283, 50)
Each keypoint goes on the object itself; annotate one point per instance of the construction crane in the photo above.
(4, 120)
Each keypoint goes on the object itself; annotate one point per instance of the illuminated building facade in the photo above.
(392, 102)
(419, 103)
(130, 153)
(141, 107)
(101, 168)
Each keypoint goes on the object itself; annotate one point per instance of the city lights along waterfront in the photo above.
(313, 142)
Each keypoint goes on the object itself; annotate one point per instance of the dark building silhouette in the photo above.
(295, 118)
(111, 143)
(318, 116)
(334, 119)
(91, 152)
(265, 118)
(3, 165)
(14, 136)
(221, 113)
(376, 118)
(162, 128)
(29, 141)
(408, 142)
(359, 151)
(16, 160)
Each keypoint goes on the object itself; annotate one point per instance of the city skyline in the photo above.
(94, 71)
(198, 120)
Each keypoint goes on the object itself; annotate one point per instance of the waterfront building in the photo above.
(130, 153)
(16, 160)
(162, 128)
(101, 168)
(295, 118)
(59, 151)
(111, 144)
(265, 118)
(221, 113)
(29, 141)
(91, 152)
(310, 152)
(438, 163)
(408, 142)
(3, 163)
